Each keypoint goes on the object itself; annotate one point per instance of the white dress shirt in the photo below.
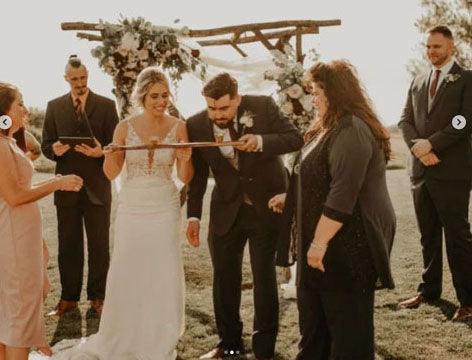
(229, 153)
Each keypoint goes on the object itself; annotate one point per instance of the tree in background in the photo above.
(35, 122)
(457, 15)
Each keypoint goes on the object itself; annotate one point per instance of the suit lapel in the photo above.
(424, 91)
(241, 109)
(442, 88)
(90, 104)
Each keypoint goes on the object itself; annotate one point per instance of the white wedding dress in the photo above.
(143, 313)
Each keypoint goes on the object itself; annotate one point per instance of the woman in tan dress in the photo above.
(21, 247)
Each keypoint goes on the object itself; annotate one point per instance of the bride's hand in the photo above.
(184, 154)
(110, 149)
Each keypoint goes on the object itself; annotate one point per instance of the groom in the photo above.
(246, 177)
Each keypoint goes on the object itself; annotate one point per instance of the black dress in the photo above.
(343, 178)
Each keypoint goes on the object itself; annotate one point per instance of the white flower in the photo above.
(295, 91)
(247, 119)
(185, 31)
(307, 102)
(287, 108)
(452, 77)
(129, 41)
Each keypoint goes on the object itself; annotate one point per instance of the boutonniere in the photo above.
(247, 120)
(451, 77)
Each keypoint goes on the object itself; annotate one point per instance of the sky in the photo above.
(377, 36)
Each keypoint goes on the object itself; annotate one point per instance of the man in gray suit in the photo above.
(81, 113)
(437, 126)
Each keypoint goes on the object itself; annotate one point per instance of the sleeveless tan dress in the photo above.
(22, 265)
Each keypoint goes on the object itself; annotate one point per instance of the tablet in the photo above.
(77, 140)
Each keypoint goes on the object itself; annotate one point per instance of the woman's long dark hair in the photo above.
(7, 97)
(346, 96)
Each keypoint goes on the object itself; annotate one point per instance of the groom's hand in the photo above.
(250, 143)
(193, 233)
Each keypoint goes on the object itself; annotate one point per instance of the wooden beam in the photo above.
(263, 26)
(79, 26)
(239, 50)
(236, 36)
(251, 39)
(219, 42)
(281, 43)
(299, 49)
(223, 30)
(263, 39)
(89, 37)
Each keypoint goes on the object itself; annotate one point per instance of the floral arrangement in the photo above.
(293, 99)
(133, 45)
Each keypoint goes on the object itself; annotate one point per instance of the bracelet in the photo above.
(319, 246)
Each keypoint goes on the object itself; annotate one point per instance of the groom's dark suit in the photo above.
(92, 204)
(441, 192)
(258, 176)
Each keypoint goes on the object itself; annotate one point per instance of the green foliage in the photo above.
(35, 122)
(457, 15)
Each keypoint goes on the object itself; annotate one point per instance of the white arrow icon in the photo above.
(5, 122)
(459, 122)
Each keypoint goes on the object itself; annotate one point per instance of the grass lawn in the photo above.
(425, 333)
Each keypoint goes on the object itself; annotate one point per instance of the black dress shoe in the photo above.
(218, 353)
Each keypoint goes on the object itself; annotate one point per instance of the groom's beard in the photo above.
(221, 124)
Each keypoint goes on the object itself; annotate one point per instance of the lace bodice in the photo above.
(149, 164)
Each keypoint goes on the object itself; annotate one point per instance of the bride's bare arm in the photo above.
(184, 156)
(113, 163)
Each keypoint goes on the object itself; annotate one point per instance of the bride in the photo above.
(143, 313)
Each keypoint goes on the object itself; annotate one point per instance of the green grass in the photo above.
(426, 333)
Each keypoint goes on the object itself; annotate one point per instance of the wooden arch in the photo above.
(281, 31)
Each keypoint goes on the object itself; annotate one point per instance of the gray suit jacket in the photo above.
(452, 146)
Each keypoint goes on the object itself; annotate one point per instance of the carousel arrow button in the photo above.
(459, 122)
(5, 122)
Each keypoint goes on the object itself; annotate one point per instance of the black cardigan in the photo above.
(343, 178)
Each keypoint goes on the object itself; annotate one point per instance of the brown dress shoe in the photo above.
(463, 313)
(97, 305)
(412, 303)
(218, 353)
(63, 307)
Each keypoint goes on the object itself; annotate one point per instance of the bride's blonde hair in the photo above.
(146, 79)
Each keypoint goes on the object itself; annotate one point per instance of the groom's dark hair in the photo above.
(221, 85)
(441, 29)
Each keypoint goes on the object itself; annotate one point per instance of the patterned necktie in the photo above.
(434, 85)
(78, 107)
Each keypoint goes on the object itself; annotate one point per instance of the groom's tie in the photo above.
(233, 134)
(434, 85)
